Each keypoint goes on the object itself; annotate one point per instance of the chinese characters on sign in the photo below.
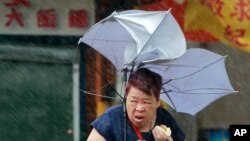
(241, 10)
(15, 15)
(45, 18)
(239, 13)
(78, 18)
(14, 3)
(216, 6)
(235, 36)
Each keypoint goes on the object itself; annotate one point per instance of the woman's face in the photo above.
(141, 108)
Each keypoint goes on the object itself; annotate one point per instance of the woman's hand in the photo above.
(160, 136)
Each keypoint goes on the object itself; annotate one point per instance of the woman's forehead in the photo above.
(140, 97)
(136, 93)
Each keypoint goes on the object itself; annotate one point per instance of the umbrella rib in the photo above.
(186, 92)
(106, 40)
(108, 83)
(167, 82)
(200, 69)
(99, 89)
(166, 93)
(90, 93)
(96, 33)
(149, 39)
(199, 93)
(92, 40)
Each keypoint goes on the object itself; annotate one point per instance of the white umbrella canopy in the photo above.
(130, 37)
(193, 81)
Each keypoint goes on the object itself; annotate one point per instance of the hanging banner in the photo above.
(46, 17)
(209, 20)
(228, 21)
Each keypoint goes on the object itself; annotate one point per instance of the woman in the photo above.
(143, 112)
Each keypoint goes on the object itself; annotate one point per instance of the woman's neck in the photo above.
(149, 126)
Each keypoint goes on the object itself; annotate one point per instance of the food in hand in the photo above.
(164, 130)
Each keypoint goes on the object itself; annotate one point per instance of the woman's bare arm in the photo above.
(95, 136)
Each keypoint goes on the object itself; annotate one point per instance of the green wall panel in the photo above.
(35, 101)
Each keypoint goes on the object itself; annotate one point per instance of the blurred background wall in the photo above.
(36, 93)
(44, 72)
(40, 69)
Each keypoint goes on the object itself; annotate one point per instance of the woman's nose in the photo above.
(140, 107)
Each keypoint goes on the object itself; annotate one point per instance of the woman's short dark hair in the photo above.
(147, 81)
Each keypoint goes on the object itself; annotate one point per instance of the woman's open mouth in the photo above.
(139, 118)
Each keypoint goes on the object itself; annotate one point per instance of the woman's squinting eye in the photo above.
(147, 102)
(133, 101)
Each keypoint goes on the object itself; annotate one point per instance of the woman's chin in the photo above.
(139, 122)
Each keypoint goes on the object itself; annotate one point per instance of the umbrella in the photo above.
(193, 81)
(130, 37)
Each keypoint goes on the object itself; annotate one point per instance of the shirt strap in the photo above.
(137, 131)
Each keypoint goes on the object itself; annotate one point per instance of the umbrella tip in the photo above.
(235, 92)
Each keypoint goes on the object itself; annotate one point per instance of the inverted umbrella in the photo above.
(130, 37)
(194, 80)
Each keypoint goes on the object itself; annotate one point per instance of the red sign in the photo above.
(40, 17)
(78, 18)
(46, 18)
(14, 16)
(14, 3)
(241, 10)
